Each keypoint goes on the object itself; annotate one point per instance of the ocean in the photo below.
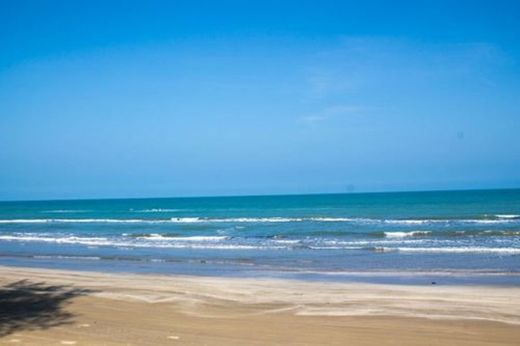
(441, 237)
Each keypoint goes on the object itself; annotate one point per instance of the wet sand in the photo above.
(55, 307)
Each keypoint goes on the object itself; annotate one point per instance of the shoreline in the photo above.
(223, 310)
(206, 268)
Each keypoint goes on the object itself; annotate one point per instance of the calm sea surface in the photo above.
(412, 237)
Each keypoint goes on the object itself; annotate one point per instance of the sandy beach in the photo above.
(53, 307)
(259, 173)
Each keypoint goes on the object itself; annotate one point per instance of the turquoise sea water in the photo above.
(448, 236)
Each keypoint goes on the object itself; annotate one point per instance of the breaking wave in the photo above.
(406, 234)
(462, 249)
(503, 219)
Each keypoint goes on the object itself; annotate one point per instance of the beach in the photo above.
(140, 309)
(259, 173)
(410, 268)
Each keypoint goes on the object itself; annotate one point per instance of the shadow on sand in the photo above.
(26, 305)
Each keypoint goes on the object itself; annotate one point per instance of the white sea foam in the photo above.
(287, 241)
(262, 219)
(158, 210)
(91, 258)
(406, 234)
(66, 211)
(93, 241)
(155, 236)
(24, 221)
(194, 219)
(226, 247)
(508, 216)
(187, 219)
(317, 247)
(465, 249)
(503, 220)
(239, 219)
(59, 240)
(338, 219)
(220, 242)
(268, 219)
(447, 221)
(157, 260)
(413, 222)
(488, 221)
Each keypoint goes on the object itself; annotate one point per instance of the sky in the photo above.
(102, 99)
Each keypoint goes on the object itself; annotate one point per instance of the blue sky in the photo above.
(174, 98)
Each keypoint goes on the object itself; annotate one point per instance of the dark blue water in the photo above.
(455, 236)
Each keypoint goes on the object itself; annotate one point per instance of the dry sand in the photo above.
(123, 309)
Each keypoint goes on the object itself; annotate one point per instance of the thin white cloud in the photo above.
(358, 63)
(332, 112)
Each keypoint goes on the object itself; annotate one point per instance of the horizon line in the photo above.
(261, 195)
